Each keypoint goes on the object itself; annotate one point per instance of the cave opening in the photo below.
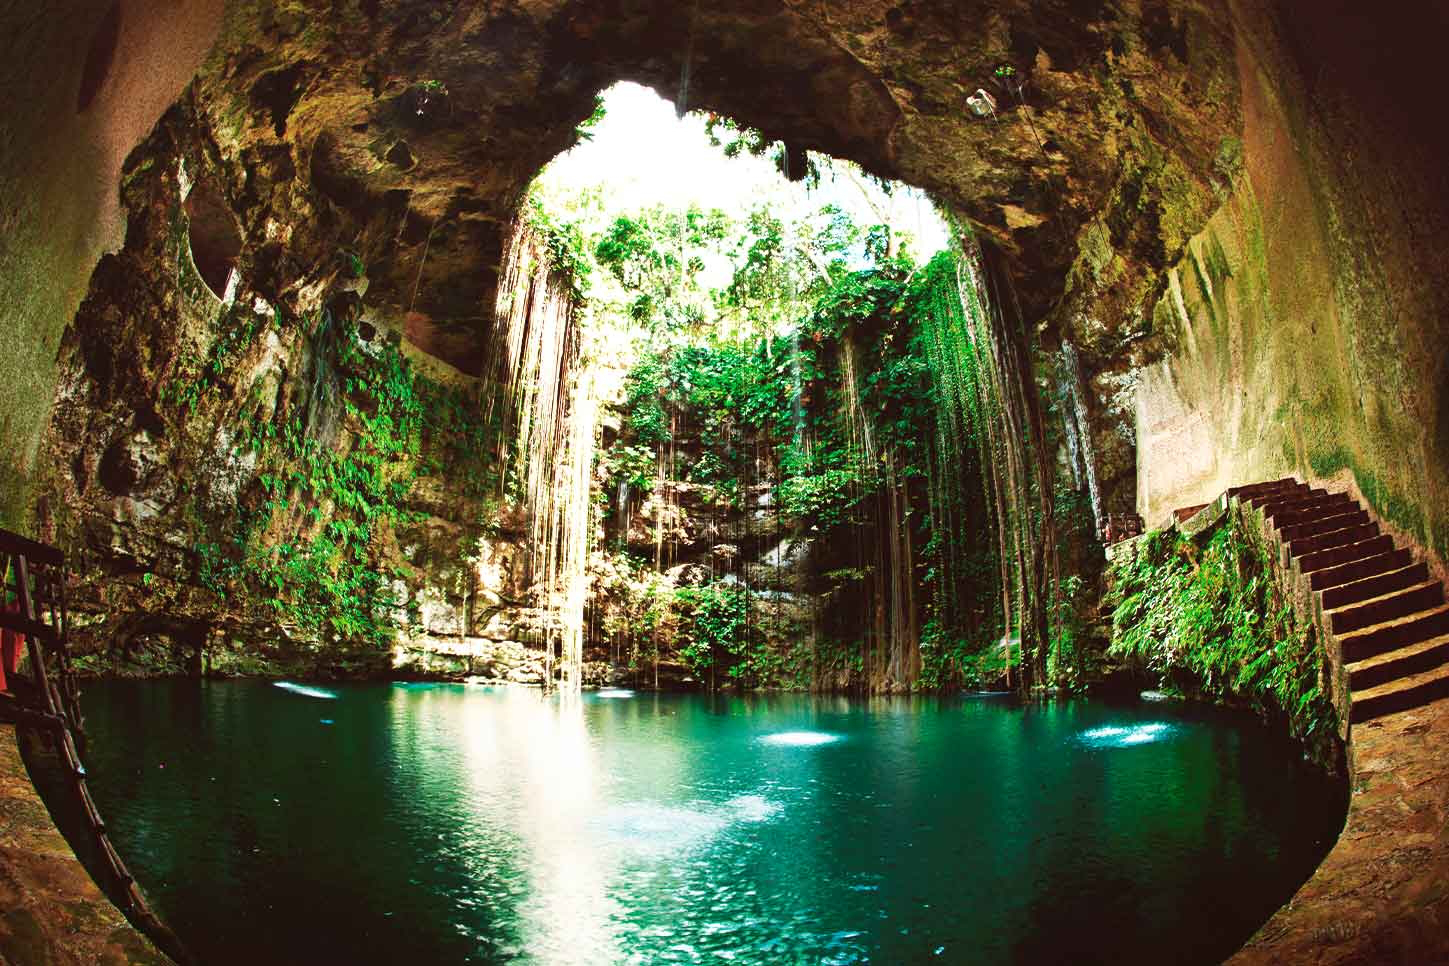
(717, 293)
(213, 238)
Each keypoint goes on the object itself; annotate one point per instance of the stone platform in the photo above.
(51, 911)
(1382, 894)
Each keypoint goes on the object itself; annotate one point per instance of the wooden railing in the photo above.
(32, 603)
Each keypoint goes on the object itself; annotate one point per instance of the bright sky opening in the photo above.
(643, 155)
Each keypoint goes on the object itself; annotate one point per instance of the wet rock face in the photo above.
(372, 157)
(408, 131)
(155, 457)
(1302, 331)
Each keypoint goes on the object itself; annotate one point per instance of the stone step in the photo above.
(1292, 494)
(1256, 489)
(1393, 634)
(1391, 606)
(1309, 500)
(1334, 556)
(1372, 586)
(1400, 695)
(1401, 663)
(1310, 509)
(1323, 524)
(1334, 538)
(1336, 576)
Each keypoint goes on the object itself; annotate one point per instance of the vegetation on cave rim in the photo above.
(1209, 617)
(857, 384)
(872, 396)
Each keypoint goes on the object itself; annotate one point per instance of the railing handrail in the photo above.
(33, 550)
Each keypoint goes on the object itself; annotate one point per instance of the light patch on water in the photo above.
(305, 691)
(1155, 696)
(650, 827)
(753, 808)
(1124, 736)
(800, 739)
(614, 693)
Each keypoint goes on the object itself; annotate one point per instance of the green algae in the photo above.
(1386, 501)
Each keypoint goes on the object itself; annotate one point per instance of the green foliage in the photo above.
(645, 419)
(352, 263)
(658, 257)
(565, 244)
(1213, 619)
(736, 139)
(635, 465)
(585, 129)
(954, 662)
(716, 641)
(832, 368)
(196, 379)
(721, 647)
(824, 498)
(849, 408)
(323, 582)
(1074, 658)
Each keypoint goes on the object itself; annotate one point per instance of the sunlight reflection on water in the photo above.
(305, 691)
(1118, 736)
(800, 739)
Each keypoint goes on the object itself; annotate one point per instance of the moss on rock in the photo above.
(1212, 616)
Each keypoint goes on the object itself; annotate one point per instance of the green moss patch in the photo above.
(1210, 619)
(1386, 502)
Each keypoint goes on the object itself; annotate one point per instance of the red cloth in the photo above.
(10, 644)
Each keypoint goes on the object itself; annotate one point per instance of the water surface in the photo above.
(451, 824)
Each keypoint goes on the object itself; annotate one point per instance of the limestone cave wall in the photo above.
(405, 132)
(84, 82)
(226, 473)
(1305, 327)
(1233, 212)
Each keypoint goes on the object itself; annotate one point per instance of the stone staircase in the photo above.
(1385, 610)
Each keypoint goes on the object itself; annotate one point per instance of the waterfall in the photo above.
(549, 417)
(621, 510)
(570, 526)
(1079, 430)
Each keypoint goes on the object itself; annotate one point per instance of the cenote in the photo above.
(575, 482)
(455, 823)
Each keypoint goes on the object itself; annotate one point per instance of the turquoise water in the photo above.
(451, 824)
